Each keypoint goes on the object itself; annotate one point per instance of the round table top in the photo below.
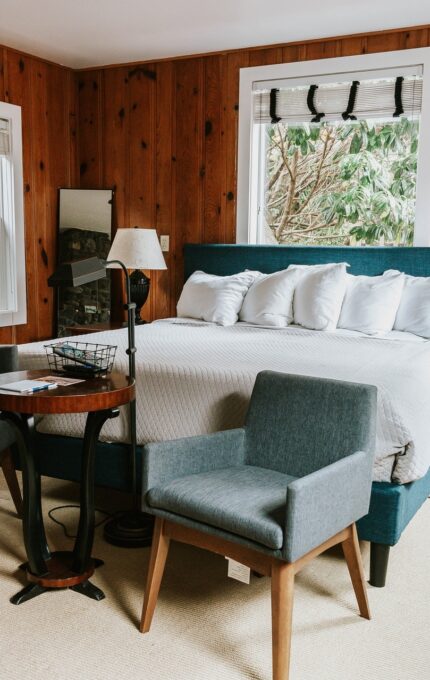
(92, 394)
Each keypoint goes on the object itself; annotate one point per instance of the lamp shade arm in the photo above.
(129, 307)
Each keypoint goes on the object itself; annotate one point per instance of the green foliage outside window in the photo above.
(341, 183)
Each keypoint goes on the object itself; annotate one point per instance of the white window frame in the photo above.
(17, 316)
(328, 69)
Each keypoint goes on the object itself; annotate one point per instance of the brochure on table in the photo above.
(48, 382)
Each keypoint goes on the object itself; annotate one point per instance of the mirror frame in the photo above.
(58, 291)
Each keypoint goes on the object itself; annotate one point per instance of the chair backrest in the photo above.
(298, 424)
(8, 358)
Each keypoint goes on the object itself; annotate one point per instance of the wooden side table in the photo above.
(100, 398)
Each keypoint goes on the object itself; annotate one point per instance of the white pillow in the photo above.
(319, 294)
(371, 303)
(413, 314)
(269, 301)
(214, 298)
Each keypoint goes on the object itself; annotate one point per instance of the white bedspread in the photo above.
(195, 378)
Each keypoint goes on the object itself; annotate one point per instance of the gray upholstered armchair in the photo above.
(8, 363)
(273, 494)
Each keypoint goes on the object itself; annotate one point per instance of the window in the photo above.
(12, 258)
(332, 152)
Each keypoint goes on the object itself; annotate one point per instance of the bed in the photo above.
(194, 377)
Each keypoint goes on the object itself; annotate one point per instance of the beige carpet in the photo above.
(207, 626)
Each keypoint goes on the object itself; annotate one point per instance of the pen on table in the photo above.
(40, 389)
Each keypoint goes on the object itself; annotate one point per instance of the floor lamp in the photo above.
(131, 249)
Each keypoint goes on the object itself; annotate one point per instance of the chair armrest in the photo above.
(323, 503)
(8, 358)
(164, 461)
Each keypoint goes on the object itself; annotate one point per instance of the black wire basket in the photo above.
(81, 359)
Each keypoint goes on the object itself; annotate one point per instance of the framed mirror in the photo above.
(84, 230)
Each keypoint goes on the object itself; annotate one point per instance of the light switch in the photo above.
(164, 243)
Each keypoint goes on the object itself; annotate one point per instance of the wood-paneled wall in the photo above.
(46, 93)
(164, 135)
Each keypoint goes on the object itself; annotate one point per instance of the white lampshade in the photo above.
(137, 249)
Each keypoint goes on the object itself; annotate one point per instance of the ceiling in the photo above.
(81, 33)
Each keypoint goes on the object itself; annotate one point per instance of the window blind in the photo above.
(380, 98)
(4, 137)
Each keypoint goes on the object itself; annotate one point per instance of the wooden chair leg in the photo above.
(282, 613)
(159, 550)
(9, 472)
(351, 550)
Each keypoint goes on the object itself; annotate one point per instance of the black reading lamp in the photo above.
(131, 249)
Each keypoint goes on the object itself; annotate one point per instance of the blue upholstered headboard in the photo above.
(229, 259)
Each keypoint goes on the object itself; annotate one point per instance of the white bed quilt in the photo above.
(194, 378)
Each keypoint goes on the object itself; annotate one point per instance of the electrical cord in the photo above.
(108, 515)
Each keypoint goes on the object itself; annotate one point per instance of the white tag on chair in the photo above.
(238, 571)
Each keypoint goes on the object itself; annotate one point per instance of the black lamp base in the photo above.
(131, 529)
(139, 291)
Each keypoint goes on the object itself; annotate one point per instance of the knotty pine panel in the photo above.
(380, 42)
(324, 49)
(60, 136)
(214, 150)
(262, 57)
(293, 53)
(115, 161)
(419, 37)
(141, 198)
(142, 201)
(90, 129)
(40, 171)
(165, 172)
(116, 141)
(352, 46)
(189, 158)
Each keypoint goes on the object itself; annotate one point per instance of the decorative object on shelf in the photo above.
(131, 528)
(138, 249)
(81, 359)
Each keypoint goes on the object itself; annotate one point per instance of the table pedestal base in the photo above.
(60, 574)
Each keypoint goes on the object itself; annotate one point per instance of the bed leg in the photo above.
(379, 554)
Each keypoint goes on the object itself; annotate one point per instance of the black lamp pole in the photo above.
(133, 528)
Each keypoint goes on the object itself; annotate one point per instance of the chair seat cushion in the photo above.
(245, 500)
(7, 437)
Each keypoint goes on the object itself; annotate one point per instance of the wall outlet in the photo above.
(164, 243)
